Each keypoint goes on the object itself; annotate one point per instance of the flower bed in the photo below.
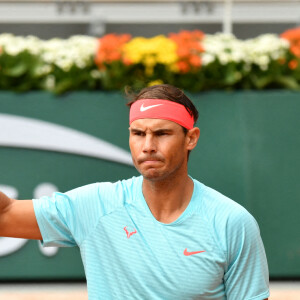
(189, 59)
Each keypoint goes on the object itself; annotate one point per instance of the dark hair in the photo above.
(167, 92)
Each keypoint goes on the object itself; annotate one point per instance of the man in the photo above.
(162, 235)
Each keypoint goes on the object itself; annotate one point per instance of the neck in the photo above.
(167, 199)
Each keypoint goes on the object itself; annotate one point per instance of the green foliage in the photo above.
(20, 72)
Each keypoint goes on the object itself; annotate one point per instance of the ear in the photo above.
(192, 138)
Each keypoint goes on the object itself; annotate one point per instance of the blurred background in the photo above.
(245, 19)
(249, 149)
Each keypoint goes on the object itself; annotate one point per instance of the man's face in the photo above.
(158, 148)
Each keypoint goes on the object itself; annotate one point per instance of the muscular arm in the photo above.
(17, 219)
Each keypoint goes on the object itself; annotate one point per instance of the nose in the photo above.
(149, 144)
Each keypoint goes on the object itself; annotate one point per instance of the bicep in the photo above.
(19, 221)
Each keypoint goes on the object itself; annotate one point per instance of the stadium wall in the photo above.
(248, 150)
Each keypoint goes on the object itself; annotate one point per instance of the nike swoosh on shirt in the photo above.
(187, 253)
(143, 108)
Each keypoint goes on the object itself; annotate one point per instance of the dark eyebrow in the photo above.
(162, 130)
(134, 130)
(158, 131)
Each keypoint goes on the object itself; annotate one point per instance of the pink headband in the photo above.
(161, 109)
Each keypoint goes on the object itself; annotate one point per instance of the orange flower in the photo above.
(126, 61)
(182, 52)
(293, 64)
(293, 36)
(111, 49)
(183, 66)
(295, 49)
(195, 60)
(189, 49)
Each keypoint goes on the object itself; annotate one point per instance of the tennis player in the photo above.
(162, 235)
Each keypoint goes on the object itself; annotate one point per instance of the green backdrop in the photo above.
(248, 150)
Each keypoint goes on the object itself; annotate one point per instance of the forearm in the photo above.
(17, 219)
(5, 202)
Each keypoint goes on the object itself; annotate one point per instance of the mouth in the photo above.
(149, 161)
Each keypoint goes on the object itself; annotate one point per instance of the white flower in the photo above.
(207, 58)
(50, 82)
(95, 74)
(43, 70)
(77, 50)
(265, 48)
(224, 58)
(259, 51)
(224, 47)
(48, 57)
(14, 45)
(64, 63)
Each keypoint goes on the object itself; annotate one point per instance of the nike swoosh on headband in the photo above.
(143, 108)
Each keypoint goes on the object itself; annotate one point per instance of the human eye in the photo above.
(138, 133)
(162, 133)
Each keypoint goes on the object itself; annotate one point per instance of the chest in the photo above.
(180, 261)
